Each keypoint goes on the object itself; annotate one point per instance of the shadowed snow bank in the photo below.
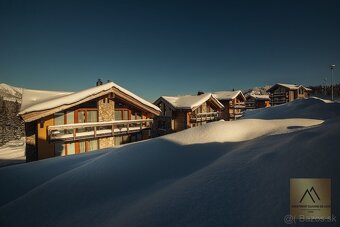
(221, 174)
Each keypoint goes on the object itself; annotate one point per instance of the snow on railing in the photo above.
(211, 116)
(77, 131)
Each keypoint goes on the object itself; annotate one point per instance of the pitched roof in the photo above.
(189, 102)
(260, 97)
(44, 100)
(34, 97)
(227, 95)
(289, 86)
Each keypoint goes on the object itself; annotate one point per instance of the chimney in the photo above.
(99, 82)
(200, 92)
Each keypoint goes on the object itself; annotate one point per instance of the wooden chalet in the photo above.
(257, 101)
(66, 123)
(182, 112)
(283, 93)
(234, 103)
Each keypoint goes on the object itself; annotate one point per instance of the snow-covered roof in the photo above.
(44, 100)
(227, 95)
(289, 86)
(260, 97)
(35, 97)
(189, 101)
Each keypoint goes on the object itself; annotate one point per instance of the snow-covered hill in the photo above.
(10, 93)
(220, 174)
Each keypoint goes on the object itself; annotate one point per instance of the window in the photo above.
(93, 145)
(122, 114)
(59, 118)
(71, 148)
(92, 116)
(78, 116)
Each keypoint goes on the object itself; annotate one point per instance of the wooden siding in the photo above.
(45, 149)
(283, 95)
(180, 120)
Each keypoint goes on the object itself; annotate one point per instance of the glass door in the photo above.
(86, 116)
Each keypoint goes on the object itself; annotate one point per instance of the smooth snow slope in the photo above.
(314, 108)
(183, 179)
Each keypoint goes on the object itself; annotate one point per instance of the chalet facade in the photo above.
(257, 101)
(233, 102)
(66, 123)
(283, 93)
(182, 112)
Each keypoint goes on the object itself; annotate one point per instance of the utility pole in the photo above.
(332, 68)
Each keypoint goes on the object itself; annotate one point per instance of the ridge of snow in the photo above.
(312, 108)
(237, 131)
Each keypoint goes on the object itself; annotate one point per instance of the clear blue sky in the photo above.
(158, 48)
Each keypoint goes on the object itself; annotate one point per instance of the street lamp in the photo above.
(332, 68)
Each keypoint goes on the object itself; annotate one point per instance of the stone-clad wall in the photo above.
(106, 113)
(11, 126)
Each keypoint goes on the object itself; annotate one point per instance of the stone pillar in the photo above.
(106, 112)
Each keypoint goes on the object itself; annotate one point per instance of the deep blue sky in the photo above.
(158, 48)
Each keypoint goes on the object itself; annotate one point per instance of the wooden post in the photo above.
(74, 134)
(95, 131)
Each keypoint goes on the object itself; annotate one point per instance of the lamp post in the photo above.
(332, 67)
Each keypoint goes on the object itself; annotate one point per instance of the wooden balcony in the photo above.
(93, 130)
(211, 116)
(238, 106)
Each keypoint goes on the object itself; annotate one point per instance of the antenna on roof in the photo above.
(99, 82)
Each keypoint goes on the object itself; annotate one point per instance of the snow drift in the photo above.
(221, 174)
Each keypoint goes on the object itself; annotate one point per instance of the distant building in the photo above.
(257, 101)
(233, 102)
(283, 93)
(182, 112)
(65, 123)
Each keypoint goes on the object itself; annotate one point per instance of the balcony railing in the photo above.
(238, 106)
(211, 116)
(235, 116)
(92, 130)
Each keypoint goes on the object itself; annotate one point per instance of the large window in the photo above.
(86, 116)
(83, 115)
